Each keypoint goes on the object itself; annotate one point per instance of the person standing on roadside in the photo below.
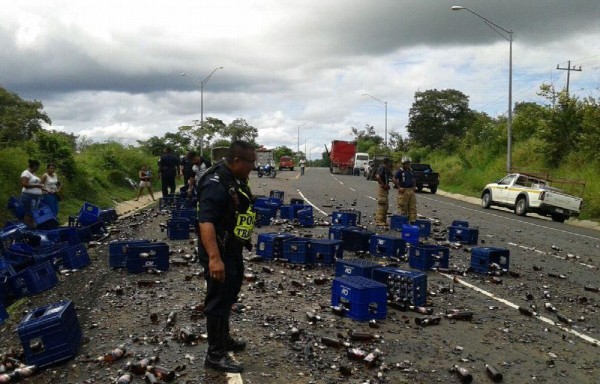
(31, 192)
(302, 165)
(52, 187)
(168, 169)
(145, 182)
(383, 176)
(226, 221)
(404, 180)
(186, 167)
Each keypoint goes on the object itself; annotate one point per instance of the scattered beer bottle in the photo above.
(331, 342)
(187, 336)
(360, 336)
(150, 378)
(526, 311)
(425, 321)
(463, 374)
(162, 373)
(171, 318)
(563, 319)
(460, 315)
(356, 354)
(591, 289)
(371, 359)
(114, 355)
(124, 379)
(550, 307)
(421, 310)
(493, 373)
(295, 334)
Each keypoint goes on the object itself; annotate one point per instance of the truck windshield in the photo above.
(362, 157)
(507, 180)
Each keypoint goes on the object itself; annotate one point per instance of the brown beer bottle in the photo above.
(463, 374)
(114, 355)
(493, 373)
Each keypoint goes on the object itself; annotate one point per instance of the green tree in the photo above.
(527, 120)
(58, 148)
(154, 145)
(590, 133)
(239, 129)
(282, 151)
(367, 140)
(397, 143)
(437, 115)
(19, 119)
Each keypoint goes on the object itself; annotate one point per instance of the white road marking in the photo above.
(371, 197)
(234, 378)
(341, 182)
(587, 338)
(507, 218)
(314, 206)
(353, 190)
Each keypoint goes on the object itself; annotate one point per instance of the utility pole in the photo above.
(568, 69)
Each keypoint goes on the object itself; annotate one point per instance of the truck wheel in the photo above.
(291, 168)
(433, 189)
(558, 218)
(281, 168)
(521, 206)
(419, 188)
(486, 200)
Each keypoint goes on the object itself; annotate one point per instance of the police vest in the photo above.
(244, 221)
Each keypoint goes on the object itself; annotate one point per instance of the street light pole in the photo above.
(201, 84)
(298, 149)
(385, 104)
(507, 35)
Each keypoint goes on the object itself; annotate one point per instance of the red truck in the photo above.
(286, 162)
(342, 157)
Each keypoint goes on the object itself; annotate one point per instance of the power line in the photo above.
(568, 69)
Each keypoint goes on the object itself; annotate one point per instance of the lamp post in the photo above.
(306, 122)
(508, 36)
(385, 104)
(201, 84)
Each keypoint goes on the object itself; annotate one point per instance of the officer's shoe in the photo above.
(222, 362)
(234, 345)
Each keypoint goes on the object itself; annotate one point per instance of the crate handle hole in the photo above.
(36, 346)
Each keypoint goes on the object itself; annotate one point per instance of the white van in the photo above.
(361, 159)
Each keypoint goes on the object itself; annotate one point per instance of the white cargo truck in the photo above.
(527, 192)
(361, 160)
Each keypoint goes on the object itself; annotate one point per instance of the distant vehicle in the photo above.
(264, 156)
(361, 159)
(425, 177)
(373, 165)
(529, 192)
(341, 157)
(286, 162)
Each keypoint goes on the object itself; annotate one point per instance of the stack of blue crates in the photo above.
(410, 234)
(305, 216)
(297, 251)
(403, 287)
(427, 256)
(117, 252)
(356, 240)
(355, 267)
(364, 299)
(141, 257)
(387, 246)
(482, 259)
(288, 211)
(424, 227)
(50, 334)
(344, 218)
(463, 235)
(270, 245)
(75, 257)
(33, 280)
(263, 216)
(295, 200)
(326, 251)
(189, 214)
(178, 229)
(57, 235)
(335, 231)
(397, 221)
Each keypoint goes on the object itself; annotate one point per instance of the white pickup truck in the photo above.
(530, 193)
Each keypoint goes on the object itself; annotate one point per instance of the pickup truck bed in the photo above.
(425, 177)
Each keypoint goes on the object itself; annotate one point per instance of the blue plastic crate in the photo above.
(410, 234)
(88, 232)
(55, 255)
(344, 218)
(263, 216)
(295, 200)
(57, 235)
(356, 239)
(44, 217)
(288, 211)
(424, 227)
(275, 201)
(305, 216)
(178, 229)
(397, 221)
(33, 280)
(166, 202)
(5, 289)
(335, 231)
(463, 235)
(364, 299)
(270, 245)
(297, 251)
(277, 194)
(117, 255)
(482, 259)
(108, 215)
(189, 213)
(141, 257)
(355, 267)
(6, 268)
(88, 214)
(3, 313)
(326, 251)
(18, 260)
(16, 207)
(427, 256)
(75, 257)
(50, 334)
(387, 246)
(460, 223)
(403, 287)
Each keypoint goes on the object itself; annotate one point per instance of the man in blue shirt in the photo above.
(404, 180)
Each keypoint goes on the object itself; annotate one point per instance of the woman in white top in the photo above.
(52, 186)
(31, 193)
(145, 182)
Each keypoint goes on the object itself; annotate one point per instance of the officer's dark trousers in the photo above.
(168, 183)
(220, 296)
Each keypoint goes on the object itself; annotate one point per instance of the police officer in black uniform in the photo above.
(225, 221)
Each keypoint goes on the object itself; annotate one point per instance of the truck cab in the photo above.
(286, 162)
(361, 160)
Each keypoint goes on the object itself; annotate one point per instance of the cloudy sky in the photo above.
(111, 69)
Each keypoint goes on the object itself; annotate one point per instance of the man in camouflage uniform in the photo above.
(383, 178)
(404, 180)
